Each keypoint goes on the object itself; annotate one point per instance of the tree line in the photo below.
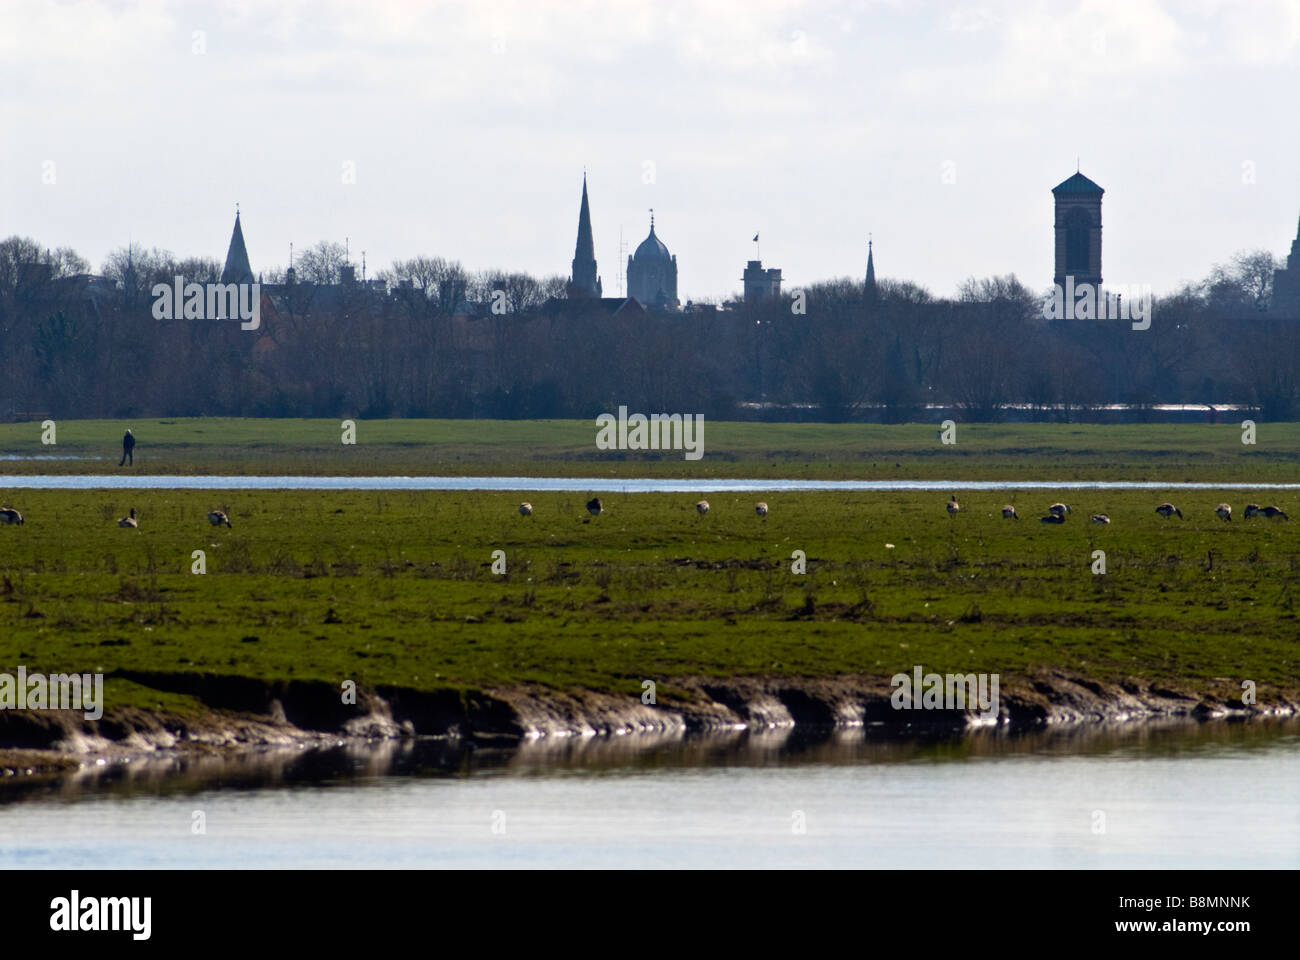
(422, 339)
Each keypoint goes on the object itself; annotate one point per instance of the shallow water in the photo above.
(1217, 795)
(43, 456)
(585, 484)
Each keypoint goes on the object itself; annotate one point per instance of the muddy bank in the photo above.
(241, 713)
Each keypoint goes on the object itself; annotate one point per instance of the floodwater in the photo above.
(1181, 795)
(586, 484)
(42, 456)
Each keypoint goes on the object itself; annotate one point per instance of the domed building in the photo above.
(652, 273)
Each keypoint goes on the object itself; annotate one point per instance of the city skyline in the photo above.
(466, 137)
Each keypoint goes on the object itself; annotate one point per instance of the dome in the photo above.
(652, 248)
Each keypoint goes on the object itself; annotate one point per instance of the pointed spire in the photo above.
(237, 269)
(871, 290)
(583, 280)
(586, 246)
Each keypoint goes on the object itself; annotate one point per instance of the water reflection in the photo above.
(356, 763)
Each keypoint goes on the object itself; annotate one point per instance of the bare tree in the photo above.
(322, 263)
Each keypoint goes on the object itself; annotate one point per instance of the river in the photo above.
(1182, 795)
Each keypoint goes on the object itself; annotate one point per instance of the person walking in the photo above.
(128, 446)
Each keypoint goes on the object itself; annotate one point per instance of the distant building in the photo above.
(1286, 283)
(869, 289)
(584, 282)
(1078, 230)
(237, 269)
(610, 307)
(761, 284)
(652, 273)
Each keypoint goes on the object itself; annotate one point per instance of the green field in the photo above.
(397, 588)
(567, 448)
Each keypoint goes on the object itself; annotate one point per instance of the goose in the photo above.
(1099, 518)
(1009, 513)
(1224, 511)
(594, 506)
(760, 509)
(1252, 510)
(130, 521)
(10, 515)
(702, 507)
(1052, 518)
(1168, 510)
(525, 509)
(217, 518)
(1060, 509)
(953, 506)
(1273, 512)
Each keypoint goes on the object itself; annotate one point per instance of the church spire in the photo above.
(584, 281)
(871, 290)
(237, 269)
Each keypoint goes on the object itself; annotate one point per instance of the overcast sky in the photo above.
(468, 125)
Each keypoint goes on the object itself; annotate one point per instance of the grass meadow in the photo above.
(1202, 452)
(398, 588)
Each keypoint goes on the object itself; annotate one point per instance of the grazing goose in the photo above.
(594, 506)
(130, 521)
(10, 515)
(1224, 511)
(1059, 509)
(1009, 513)
(217, 518)
(1052, 518)
(1168, 510)
(953, 506)
(1099, 518)
(760, 509)
(702, 507)
(525, 509)
(1273, 513)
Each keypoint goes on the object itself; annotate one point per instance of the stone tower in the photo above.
(1078, 231)
(584, 283)
(237, 269)
(652, 273)
(761, 284)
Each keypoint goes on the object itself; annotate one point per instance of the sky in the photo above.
(462, 130)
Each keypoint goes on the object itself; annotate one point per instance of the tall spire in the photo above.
(584, 281)
(237, 268)
(871, 290)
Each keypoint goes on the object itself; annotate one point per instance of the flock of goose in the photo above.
(129, 522)
(1057, 512)
(595, 508)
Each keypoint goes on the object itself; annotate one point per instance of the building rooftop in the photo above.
(1078, 184)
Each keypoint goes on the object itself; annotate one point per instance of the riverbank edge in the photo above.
(242, 713)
